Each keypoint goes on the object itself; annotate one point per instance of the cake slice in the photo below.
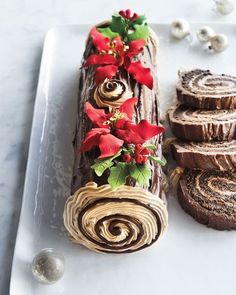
(206, 155)
(201, 125)
(204, 90)
(209, 196)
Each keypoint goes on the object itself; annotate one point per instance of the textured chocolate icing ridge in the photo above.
(205, 155)
(209, 196)
(204, 90)
(202, 125)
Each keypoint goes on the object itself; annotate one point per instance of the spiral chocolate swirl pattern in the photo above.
(209, 147)
(205, 90)
(201, 125)
(183, 113)
(205, 155)
(111, 93)
(210, 197)
(124, 220)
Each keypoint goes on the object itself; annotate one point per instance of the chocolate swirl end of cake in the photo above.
(212, 155)
(200, 125)
(111, 93)
(204, 90)
(121, 221)
(210, 197)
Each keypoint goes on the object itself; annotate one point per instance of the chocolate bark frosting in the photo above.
(204, 90)
(205, 155)
(132, 217)
(209, 196)
(202, 125)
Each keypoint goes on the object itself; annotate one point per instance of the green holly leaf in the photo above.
(125, 150)
(108, 32)
(141, 173)
(118, 24)
(140, 20)
(162, 162)
(118, 175)
(150, 146)
(101, 165)
(140, 32)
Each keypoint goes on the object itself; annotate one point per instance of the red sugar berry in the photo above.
(134, 17)
(122, 13)
(126, 158)
(128, 13)
(145, 151)
(144, 160)
(138, 159)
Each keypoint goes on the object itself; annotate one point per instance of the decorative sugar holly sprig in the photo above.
(129, 27)
(122, 143)
(129, 162)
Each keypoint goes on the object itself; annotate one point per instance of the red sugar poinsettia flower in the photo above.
(113, 53)
(108, 144)
(101, 119)
(115, 128)
(138, 133)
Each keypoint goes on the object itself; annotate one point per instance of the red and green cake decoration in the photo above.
(123, 145)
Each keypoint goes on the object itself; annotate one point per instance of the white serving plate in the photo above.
(190, 259)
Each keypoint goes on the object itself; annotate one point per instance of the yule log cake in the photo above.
(117, 203)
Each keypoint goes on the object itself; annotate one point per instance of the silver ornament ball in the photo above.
(48, 266)
(219, 43)
(205, 34)
(225, 6)
(180, 29)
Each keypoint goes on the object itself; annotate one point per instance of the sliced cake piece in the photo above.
(204, 90)
(209, 196)
(200, 125)
(205, 155)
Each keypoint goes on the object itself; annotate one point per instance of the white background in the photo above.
(23, 25)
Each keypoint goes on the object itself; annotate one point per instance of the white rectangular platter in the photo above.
(190, 259)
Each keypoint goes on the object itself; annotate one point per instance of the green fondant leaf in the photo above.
(140, 32)
(161, 162)
(141, 173)
(118, 175)
(108, 32)
(140, 20)
(118, 24)
(101, 165)
(150, 146)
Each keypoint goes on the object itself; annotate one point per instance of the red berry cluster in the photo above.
(140, 155)
(127, 15)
